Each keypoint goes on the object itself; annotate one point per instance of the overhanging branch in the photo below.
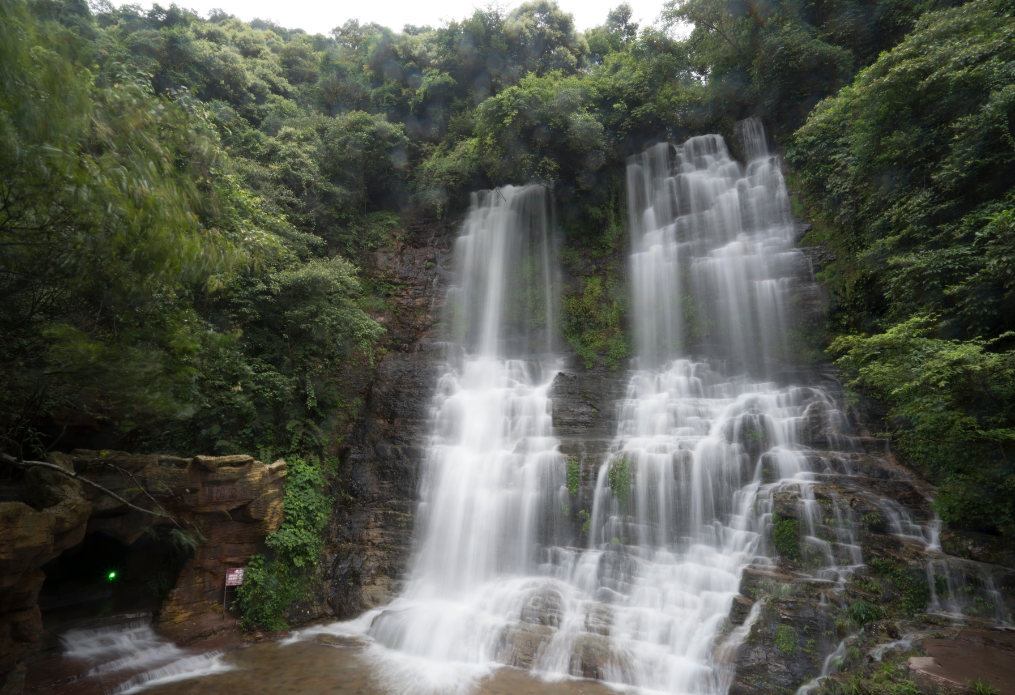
(7, 458)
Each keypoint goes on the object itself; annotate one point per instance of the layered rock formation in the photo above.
(29, 538)
(231, 504)
(375, 491)
(800, 620)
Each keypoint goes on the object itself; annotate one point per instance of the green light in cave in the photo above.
(112, 576)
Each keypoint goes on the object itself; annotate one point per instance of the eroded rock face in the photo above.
(235, 501)
(30, 537)
(375, 489)
(900, 586)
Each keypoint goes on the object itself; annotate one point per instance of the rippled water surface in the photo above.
(308, 667)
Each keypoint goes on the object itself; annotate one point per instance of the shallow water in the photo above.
(308, 667)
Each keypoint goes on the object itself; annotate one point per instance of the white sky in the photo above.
(317, 17)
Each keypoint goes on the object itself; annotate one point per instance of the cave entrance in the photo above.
(103, 577)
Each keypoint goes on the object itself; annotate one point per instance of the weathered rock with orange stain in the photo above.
(235, 501)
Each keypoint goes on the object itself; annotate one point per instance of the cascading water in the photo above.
(681, 504)
(678, 508)
(128, 657)
(705, 457)
(492, 469)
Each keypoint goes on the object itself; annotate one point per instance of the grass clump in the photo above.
(982, 687)
(862, 612)
(786, 537)
(912, 585)
(786, 639)
(573, 476)
(620, 479)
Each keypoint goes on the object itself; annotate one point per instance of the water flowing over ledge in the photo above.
(711, 458)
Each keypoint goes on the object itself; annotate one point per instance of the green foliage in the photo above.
(141, 279)
(954, 401)
(861, 612)
(982, 687)
(592, 322)
(786, 537)
(854, 655)
(875, 522)
(109, 222)
(886, 679)
(778, 60)
(586, 520)
(619, 477)
(276, 580)
(916, 197)
(917, 200)
(574, 474)
(541, 129)
(786, 639)
(911, 584)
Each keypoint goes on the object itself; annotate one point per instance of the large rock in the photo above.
(234, 501)
(251, 495)
(29, 538)
(979, 547)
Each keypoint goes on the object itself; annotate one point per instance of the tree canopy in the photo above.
(185, 201)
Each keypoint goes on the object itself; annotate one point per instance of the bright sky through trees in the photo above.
(315, 16)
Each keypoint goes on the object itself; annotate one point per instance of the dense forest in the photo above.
(185, 203)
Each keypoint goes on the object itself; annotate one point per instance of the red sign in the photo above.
(234, 577)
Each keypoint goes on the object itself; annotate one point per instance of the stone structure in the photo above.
(57, 513)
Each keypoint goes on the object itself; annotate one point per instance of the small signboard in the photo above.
(234, 577)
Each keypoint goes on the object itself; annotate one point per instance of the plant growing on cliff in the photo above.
(592, 320)
(786, 639)
(275, 580)
(620, 479)
(953, 406)
(910, 583)
(786, 537)
(917, 200)
(574, 473)
(862, 612)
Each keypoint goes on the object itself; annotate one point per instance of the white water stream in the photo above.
(498, 578)
(642, 597)
(129, 656)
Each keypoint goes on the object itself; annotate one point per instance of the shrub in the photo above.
(620, 479)
(786, 537)
(274, 581)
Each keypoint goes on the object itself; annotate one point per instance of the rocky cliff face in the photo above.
(233, 501)
(789, 622)
(369, 535)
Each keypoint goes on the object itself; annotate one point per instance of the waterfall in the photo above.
(706, 461)
(712, 253)
(492, 470)
(701, 446)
